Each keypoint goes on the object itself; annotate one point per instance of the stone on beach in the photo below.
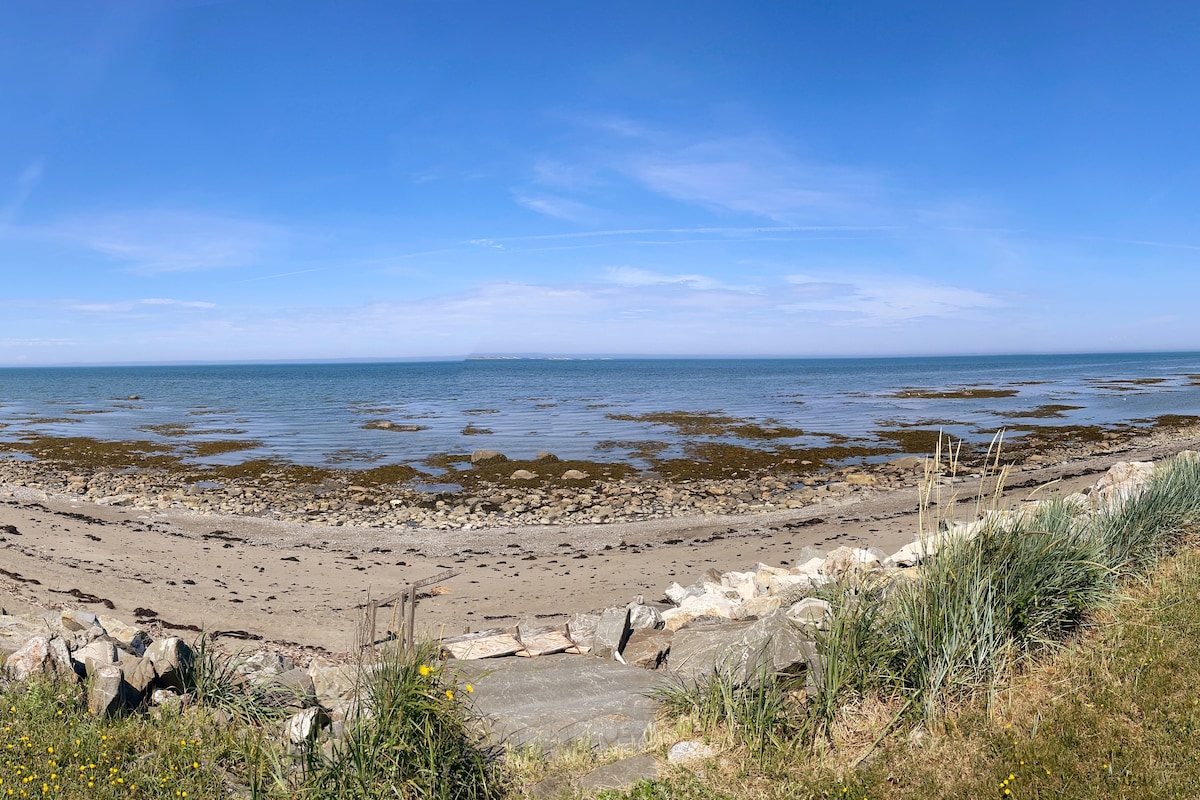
(483, 456)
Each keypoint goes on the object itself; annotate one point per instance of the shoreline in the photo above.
(300, 584)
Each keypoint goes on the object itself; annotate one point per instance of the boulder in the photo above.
(128, 637)
(744, 583)
(334, 684)
(709, 604)
(813, 566)
(542, 640)
(574, 475)
(849, 562)
(811, 613)
(545, 457)
(581, 629)
(677, 594)
(612, 631)
(483, 456)
(647, 648)
(16, 631)
(95, 654)
(109, 693)
(171, 660)
(784, 584)
(40, 656)
(772, 644)
(758, 607)
(522, 475)
(77, 620)
(1122, 480)
(644, 616)
(304, 726)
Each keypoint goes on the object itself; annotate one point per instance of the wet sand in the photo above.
(304, 584)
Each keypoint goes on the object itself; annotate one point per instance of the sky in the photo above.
(191, 180)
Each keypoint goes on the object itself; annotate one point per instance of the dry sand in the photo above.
(305, 584)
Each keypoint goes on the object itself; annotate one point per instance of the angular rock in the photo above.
(744, 583)
(772, 644)
(612, 631)
(109, 693)
(78, 620)
(811, 613)
(647, 648)
(849, 562)
(644, 616)
(709, 604)
(620, 775)
(304, 726)
(171, 660)
(581, 629)
(131, 638)
(334, 684)
(783, 584)
(95, 654)
(677, 594)
(1123, 479)
(40, 656)
(758, 607)
(16, 631)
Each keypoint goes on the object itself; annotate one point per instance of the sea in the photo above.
(359, 415)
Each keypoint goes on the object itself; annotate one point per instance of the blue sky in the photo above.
(250, 180)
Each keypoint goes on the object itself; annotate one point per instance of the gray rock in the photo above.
(620, 775)
(94, 654)
(562, 699)
(335, 684)
(304, 726)
(522, 475)
(109, 693)
(643, 616)
(647, 648)
(128, 637)
(78, 620)
(481, 456)
(545, 457)
(170, 659)
(40, 656)
(612, 631)
(685, 753)
(16, 631)
(772, 643)
(574, 475)
(581, 628)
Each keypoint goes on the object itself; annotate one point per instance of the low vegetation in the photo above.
(1052, 653)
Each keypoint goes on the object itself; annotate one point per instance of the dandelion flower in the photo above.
(424, 669)
(449, 695)
(469, 688)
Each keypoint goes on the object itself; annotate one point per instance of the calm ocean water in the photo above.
(315, 413)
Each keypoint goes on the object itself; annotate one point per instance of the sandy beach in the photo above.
(304, 584)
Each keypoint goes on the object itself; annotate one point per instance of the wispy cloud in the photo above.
(632, 276)
(556, 206)
(157, 242)
(884, 300)
(145, 305)
(24, 187)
